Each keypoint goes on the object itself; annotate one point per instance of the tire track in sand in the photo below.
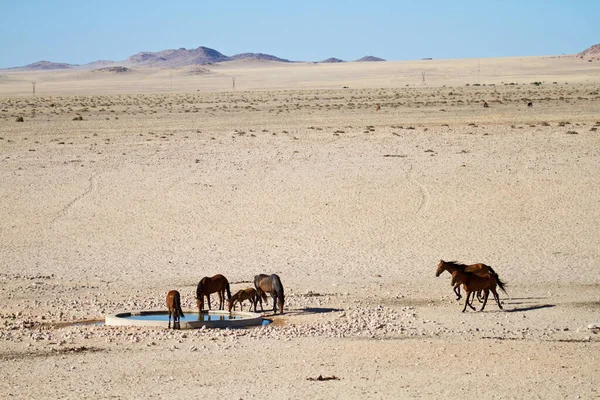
(424, 201)
(92, 186)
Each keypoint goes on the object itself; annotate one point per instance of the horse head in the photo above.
(441, 268)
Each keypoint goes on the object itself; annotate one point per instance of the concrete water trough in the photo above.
(192, 320)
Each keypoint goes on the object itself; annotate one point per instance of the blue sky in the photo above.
(82, 31)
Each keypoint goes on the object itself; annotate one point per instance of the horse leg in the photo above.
(466, 300)
(221, 304)
(280, 306)
(496, 297)
(479, 298)
(208, 300)
(457, 292)
(485, 297)
(471, 301)
(169, 327)
(274, 297)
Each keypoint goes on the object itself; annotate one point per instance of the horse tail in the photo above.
(261, 293)
(278, 288)
(228, 290)
(501, 284)
(178, 306)
(498, 280)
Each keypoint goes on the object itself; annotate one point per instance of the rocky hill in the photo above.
(257, 56)
(591, 52)
(332, 60)
(176, 58)
(369, 58)
(47, 65)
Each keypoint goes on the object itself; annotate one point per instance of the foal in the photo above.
(244, 294)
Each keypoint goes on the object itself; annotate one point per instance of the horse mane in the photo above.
(457, 264)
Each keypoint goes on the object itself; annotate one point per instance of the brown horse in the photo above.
(216, 284)
(472, 282)
(244, 294)
(270, 284)
(174, 306)
(477, 269)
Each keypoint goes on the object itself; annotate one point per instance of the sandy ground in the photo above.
(352, 207)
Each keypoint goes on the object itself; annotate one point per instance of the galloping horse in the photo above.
(244, 294)
(216, 284)
(472, 282)
(477, 269)
(174, 306)
(270, 284)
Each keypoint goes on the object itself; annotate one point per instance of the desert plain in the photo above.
(118, 187)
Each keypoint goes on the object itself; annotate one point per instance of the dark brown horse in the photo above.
(174, 306)
(270, 284)
(477, 269)
(216, 284)
(244, 294)
(472, 282)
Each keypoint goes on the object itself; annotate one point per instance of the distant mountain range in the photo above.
(173, 58)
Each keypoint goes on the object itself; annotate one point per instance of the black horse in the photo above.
(270, 284)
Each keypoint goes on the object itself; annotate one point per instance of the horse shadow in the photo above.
(319, 310)
(530, 308)
(313, 310)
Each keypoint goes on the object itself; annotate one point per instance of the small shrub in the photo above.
(19, 119)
